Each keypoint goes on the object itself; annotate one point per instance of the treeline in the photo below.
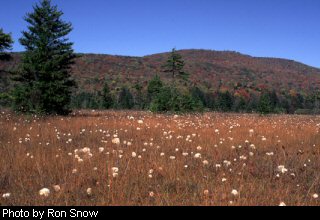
(159, 97)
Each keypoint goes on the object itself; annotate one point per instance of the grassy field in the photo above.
(140, 158)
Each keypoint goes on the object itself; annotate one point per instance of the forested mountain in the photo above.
(212, 71)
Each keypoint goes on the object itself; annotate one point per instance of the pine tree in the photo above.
(45, 80)
(274, 99)
(125, 100)
(252, 103)
(265, 105)
(166, 100)
(239, 104)
(107, 100)
(154, 87)
(225, 101)
(5, 44)
(199, 95)
(316, 107)
(175, 66)
(139, 99)
(209, 100)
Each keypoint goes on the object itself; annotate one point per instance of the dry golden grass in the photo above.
(36, 153)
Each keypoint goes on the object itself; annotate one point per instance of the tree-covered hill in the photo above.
(210, 69)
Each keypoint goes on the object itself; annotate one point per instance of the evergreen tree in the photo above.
(139, 99)
(284, 104)
(45, 80)
(154, 87)
(125, 100)
(274, 99)
(209, 100)
(265, 105)
(107, 100)
(189, 104)
(316, 107)
(5, 44)
(297, 101)
(175, 66)
(163, 101)
(198, 95)
(252, 103)
(239, 104)
(225, 101)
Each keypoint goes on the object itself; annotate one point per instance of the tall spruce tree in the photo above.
(175, 65)
(45, 81)
(5, 44)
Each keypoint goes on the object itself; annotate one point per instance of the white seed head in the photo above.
(115, 169)
(116, 141)
(89, 191)
(315, 196)
(282, 204)
(205, 162)
(6, 195)
(44, 192)
(235, 192)
(56, 188)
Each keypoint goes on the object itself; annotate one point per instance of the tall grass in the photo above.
(161, 159)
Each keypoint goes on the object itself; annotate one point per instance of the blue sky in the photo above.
(269, 28)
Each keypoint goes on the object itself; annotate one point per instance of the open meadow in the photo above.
(141, 158)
